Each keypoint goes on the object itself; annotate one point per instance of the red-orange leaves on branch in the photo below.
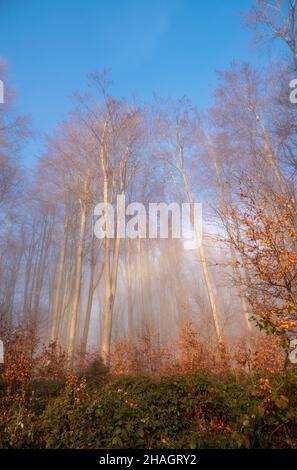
(265, 235)
(19, 357)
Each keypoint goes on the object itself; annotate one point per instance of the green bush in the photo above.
(189, 411)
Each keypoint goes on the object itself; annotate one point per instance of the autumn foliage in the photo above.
(24, 360)
(265, 234)
(189, 354)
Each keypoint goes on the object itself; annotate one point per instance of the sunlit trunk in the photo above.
(129, 291)
(77, 284)
(203, 260)
(59, 279)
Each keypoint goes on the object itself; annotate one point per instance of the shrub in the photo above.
(193, 410)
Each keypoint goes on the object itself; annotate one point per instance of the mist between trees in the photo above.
(238, 159)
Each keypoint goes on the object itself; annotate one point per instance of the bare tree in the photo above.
(176, 125)
(275, 20)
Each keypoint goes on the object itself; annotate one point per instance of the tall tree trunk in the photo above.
(202, 254)
(107, 306)
(59, 278)
(92, 286)
(78, 280)
(237, 273)
(142, 319)
(129, 291)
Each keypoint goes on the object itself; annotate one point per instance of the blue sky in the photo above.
(170, 47)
